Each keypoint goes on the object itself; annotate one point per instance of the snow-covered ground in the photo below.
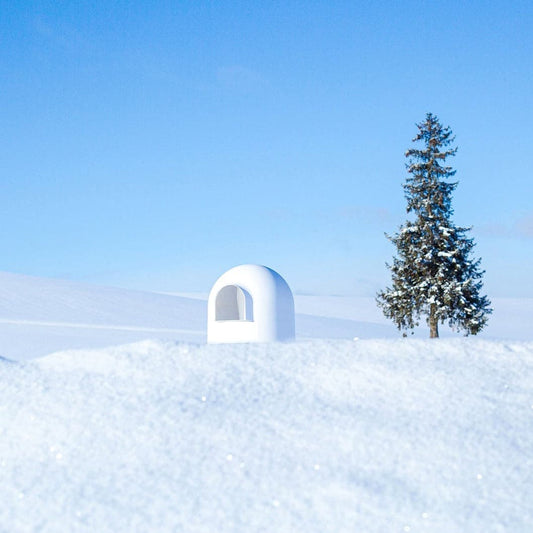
(39, 316)
(315, 436)
(169, 434)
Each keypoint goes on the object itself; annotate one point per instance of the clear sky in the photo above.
(156, 144)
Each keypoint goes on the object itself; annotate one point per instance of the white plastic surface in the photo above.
(250, 303)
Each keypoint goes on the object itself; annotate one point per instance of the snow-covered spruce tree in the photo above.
(433, 274)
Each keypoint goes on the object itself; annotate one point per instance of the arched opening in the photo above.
(234, 303)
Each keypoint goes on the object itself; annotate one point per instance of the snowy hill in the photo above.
(170, 434)
(315, 436)
(511, 319)
(39, 316)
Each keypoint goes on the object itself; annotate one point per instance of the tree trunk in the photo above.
(433, 322)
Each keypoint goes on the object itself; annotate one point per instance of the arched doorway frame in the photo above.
(234, 303)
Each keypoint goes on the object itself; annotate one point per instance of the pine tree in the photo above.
(433, 274)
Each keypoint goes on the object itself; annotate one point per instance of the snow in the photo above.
(167, 433)
(39, 316)
(250, 303)
(316, 436)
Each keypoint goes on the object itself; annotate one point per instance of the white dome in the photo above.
(250, 303)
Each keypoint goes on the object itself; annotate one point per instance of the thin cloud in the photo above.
(493, 229)
(62, 35)
(524, 226)
(521, 228)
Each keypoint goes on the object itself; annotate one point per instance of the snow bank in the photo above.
(511, 319)
(39, 316)
(320, 436)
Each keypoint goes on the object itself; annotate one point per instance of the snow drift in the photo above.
(317, 436)
(39, 316)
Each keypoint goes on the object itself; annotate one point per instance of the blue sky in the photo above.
(156, 144)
